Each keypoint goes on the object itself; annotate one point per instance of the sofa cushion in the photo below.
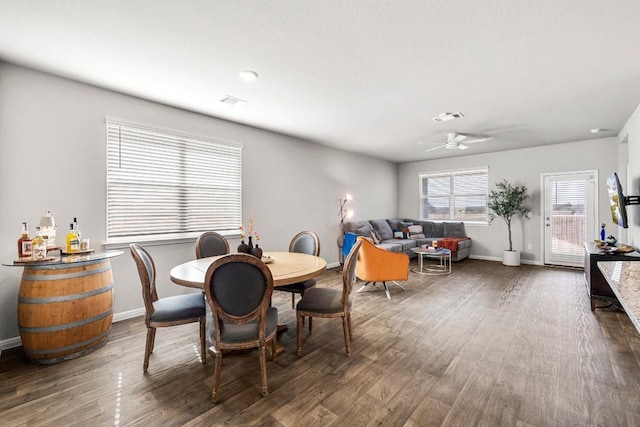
(361, 228)
(391, 246)
(454, 229)
(405, 244)
(383, 228)
(438, 229)
(395, 224)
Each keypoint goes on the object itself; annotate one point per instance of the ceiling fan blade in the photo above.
(459, 137)
(462, 147)
(479, 139)
(434, 148)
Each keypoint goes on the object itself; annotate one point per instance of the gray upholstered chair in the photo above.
(330, 302)
(305, 242)
(238, 289)
(169, 311)
(211, 243)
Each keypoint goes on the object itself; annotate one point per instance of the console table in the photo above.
(597, 286)
(65, 306)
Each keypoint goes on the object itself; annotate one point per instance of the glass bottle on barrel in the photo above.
(24, 243)
(73, 243)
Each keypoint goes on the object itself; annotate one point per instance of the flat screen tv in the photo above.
(617, 201)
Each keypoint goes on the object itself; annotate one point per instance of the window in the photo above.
(454, 195)
(163, 184)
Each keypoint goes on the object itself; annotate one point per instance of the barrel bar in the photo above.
(66, 326)
(65, 298)
(50, 277)
(69, 347)
(64, 265)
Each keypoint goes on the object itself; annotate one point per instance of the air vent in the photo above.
(232, 100)
(444, 117)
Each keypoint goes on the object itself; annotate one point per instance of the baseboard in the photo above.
(118, 317)
(10, 343)
(499, 259)
(333, 265)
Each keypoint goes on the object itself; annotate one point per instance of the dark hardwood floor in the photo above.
(488, 345)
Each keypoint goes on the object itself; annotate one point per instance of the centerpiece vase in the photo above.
(250, 244)
(243, 248)
(257, 252)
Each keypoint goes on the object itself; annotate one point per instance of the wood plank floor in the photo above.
(488, 345)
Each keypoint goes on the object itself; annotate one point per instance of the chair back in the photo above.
(349, 271)
(211, 243)
(305, 242)
(147, 272)
(238, 288)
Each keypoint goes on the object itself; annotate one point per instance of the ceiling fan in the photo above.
(454, 141)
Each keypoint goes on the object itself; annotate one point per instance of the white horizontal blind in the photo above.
(164, 183)
(454, 195)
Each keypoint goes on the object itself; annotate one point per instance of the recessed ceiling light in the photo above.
(248, 75)
(444, 117)
(595, 130)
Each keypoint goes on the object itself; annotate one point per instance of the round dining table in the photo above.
(286, 268)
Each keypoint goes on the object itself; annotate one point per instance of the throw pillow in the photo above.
(398, 235)
(415, 232)
(376, 237)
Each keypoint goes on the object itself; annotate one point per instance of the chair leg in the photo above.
(203, 340)
(263, 369)
(398, 285)
(216, 375)
(349, 325)
(310, 323)
(386, 290)
(293, 300)
(274, 347)
(347, 338)
(363, 286)
(151, 337)
(299, 333)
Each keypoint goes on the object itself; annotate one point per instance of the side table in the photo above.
(444, 261)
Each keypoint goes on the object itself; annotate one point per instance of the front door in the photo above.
(569, 216)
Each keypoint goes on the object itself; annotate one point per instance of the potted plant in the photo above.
(508, 201)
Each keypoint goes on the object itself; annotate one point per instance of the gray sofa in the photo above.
(390, 230)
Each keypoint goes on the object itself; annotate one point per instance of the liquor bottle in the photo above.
(76, 227)
(73, 243)
(38, 246)
(24, 243)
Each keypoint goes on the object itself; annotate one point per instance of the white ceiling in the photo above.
(364, 76)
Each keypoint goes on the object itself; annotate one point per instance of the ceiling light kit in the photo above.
(445, 117)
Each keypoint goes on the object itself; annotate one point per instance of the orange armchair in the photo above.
(379, 265)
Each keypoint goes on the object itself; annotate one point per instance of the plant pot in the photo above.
(511, 258)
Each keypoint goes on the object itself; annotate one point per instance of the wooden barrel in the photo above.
(65, 310)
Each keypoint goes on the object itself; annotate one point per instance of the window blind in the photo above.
(455, 195)
(166, 183)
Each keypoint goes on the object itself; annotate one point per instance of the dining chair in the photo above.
(330, 302)
(211, 243)
(305, 242)
(238, 288)
(380, 265)
(168, 311)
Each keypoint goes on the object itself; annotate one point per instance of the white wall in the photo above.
(519, 167)
(630, 134)
(53, 157)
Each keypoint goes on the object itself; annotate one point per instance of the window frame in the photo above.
(183, 143)
(452, 195)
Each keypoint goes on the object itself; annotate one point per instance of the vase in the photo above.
(257, 252)
(250, 245)
(243, 248)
